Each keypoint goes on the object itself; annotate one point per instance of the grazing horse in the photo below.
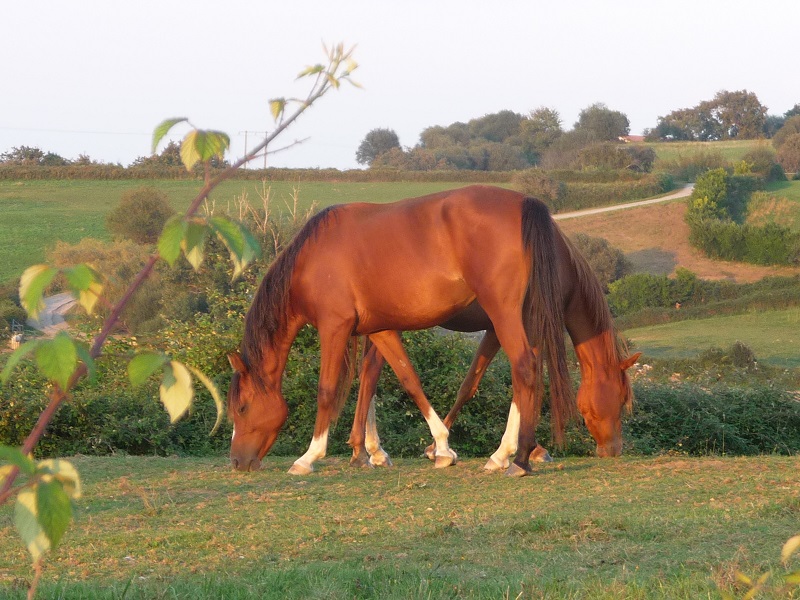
(605, 387)
(376, 269)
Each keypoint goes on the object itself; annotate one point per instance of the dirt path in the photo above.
(656, 240)
(684, 192)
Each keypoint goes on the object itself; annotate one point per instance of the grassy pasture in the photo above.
(731, 150)
(35, 214)
(774, 336)
(667, 527)
(780, 205)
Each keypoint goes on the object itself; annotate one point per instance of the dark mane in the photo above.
(597, 306)
(267, 314)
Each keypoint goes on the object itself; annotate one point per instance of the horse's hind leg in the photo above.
(371, 364)
(377, 455)
(390, 346)
(486, 352)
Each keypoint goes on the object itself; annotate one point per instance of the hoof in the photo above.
(514, 470)
(300, 469)
(360, 460)
(380, 459)
(430, 452)
(492, 465)
(540, 454)
(444, 461)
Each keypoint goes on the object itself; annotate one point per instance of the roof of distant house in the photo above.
(631, 138)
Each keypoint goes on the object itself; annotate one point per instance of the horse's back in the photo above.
(409, 264)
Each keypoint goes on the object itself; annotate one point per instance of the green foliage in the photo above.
(607, 262)
(789, 154)
(140, 215)
(604, 124)
(790, 127)
(539, 184)
(376, 142)
(689, 167)
(580, 195)
(697, 421)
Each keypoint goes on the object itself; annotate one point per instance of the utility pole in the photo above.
(257, 133)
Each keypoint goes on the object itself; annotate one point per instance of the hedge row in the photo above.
(769, 244)
(108, 416)
(580, 195)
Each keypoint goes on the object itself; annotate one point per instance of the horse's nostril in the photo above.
(235, 463)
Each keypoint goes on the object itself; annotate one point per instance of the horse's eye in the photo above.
(242, 409)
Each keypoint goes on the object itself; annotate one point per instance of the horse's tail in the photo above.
(346, 375)
(543, 313)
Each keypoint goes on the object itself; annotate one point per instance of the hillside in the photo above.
(656, 239)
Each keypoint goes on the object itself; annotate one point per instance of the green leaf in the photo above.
(86, 357)
(212, 143)
(57, 359)
(143, 365)
(194, 242)
(176, 390)
(85, 283)
(15, 457)
(32, 285)
(54, 510)
(27, 522)
(65, 472)
(163, 129)
(189, 154)
(212, 388)
(240, 242)
(17, 356)
(169, 243)
(276, 107)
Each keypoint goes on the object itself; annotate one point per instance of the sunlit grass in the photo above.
(774, 336)
(668, 527)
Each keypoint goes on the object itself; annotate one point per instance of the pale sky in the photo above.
(96, 77)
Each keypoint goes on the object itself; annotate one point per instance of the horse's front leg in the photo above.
(331, 394)
(390, 346)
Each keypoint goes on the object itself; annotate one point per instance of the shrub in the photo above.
(689, 167)
(140, 215)
(790, 127)
(536, 183)
(789, 154)
(607, 262)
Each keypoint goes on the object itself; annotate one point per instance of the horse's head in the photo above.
(258, 412)
(601, 399)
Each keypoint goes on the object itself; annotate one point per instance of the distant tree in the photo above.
(489, 156)
(22, 155)
(375, 143)
(788, 155)
(604, 123)
(740, 114)
(414, 159)
(602, 155)
(772, 123)
(52, 159)
(140, 215)
(790, 127)
(792, 112)
(539, 131)
(495, 127)
(455, 134)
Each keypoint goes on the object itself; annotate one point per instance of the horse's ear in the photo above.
(236, 362)
(629, 362)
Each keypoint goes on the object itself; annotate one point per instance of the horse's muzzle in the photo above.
(244, 464)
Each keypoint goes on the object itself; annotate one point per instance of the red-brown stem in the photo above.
(58, 396)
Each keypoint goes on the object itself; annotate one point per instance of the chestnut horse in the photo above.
(376, 269)
(604, 391)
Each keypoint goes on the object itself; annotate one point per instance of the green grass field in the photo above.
(731, 150)
(774, 336)
(780, 204)
(668, 528)
(38, 213)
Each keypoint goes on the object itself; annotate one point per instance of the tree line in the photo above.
(507, 140)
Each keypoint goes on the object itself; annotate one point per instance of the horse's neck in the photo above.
(594, 346)
(276, 352)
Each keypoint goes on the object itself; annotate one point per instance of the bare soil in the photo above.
(655, 239)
